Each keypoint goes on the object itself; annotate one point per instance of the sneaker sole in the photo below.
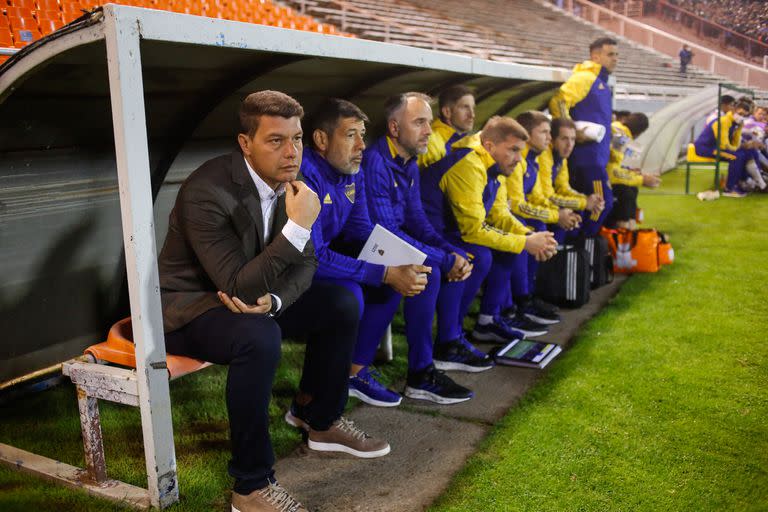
(452, 365)
(335, 447)
(531, 334)
(540, 320)
(295, 422)
(372, 401)
(420, 394)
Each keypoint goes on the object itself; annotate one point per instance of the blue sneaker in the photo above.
(365, 387)
(459, 354)
(498, 330)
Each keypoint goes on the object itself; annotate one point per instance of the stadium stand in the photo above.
(526, 38)
(24, 21)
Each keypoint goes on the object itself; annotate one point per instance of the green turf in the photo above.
(661, 404)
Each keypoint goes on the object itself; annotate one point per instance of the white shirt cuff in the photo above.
(297, 235)
(277, 301)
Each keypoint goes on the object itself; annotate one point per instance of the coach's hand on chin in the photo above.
(301, 204)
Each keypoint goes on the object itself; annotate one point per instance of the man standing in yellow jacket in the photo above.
(587, 97)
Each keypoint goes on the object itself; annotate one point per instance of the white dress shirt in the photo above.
(297, 235)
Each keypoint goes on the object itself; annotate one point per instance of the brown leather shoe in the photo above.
(344, 436)
(271, 498)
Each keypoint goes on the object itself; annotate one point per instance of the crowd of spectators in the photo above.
(747, 17)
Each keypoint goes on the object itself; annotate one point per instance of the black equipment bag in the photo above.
(564, 279)
(600, 260)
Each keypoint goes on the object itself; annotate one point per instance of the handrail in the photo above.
(654, 38)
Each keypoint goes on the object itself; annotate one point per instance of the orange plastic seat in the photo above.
(6, 39)
(48, 5)
(119, 349)
(49, 26)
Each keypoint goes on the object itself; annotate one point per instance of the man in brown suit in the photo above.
(236, 276)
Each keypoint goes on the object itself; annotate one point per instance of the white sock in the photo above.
(484, 319)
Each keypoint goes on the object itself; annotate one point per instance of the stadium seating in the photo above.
(24, 21)
(521, 31)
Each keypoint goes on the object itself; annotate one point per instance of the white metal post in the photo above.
(129, 121)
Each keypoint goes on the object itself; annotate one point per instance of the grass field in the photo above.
(660, 405)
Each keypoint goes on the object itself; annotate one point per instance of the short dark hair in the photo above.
(637, 122)
(266, 103)
(560, 123)
(622, 113)
(398, 101)
(498, 128)
(598, 44)
(727, 99)
(331, 111)
(531, 119)
(448, 97)
(744, 103)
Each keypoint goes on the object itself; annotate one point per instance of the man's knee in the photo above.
(258, 338)
(344, 306)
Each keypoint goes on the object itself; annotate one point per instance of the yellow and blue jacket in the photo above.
(617, 175)
(524, 191)
(440, 141)
(730, 136)
(554, 181)
(464, 196)
(585, 96)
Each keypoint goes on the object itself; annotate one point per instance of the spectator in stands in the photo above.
(686, 56)
(586, 96)
(240, 225)
(465, 198)
(625, 182)
(331, 169)
(394, 201)
(457, 118)
(728, 126)
(526, 203)
(553, 184)
(726, 105)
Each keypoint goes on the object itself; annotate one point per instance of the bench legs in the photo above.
(93, 444)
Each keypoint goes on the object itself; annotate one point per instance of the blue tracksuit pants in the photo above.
(589, 181)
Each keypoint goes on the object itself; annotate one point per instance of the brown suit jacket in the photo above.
(215, 242)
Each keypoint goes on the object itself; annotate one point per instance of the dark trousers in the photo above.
(250, 344)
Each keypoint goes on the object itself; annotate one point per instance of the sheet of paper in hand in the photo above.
(385, 248)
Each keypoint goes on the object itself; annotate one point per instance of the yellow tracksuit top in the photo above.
(535, 205)
(617, 175)
(441, 134)
(575, 89)
(560, 192)
(463, 185)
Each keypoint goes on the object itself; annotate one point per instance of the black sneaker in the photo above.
(459, 354)
(540, 312)
(434, 385)
(525, 325)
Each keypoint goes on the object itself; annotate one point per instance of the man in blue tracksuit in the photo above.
(392, 190)
(586, 96)
(331, 168)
